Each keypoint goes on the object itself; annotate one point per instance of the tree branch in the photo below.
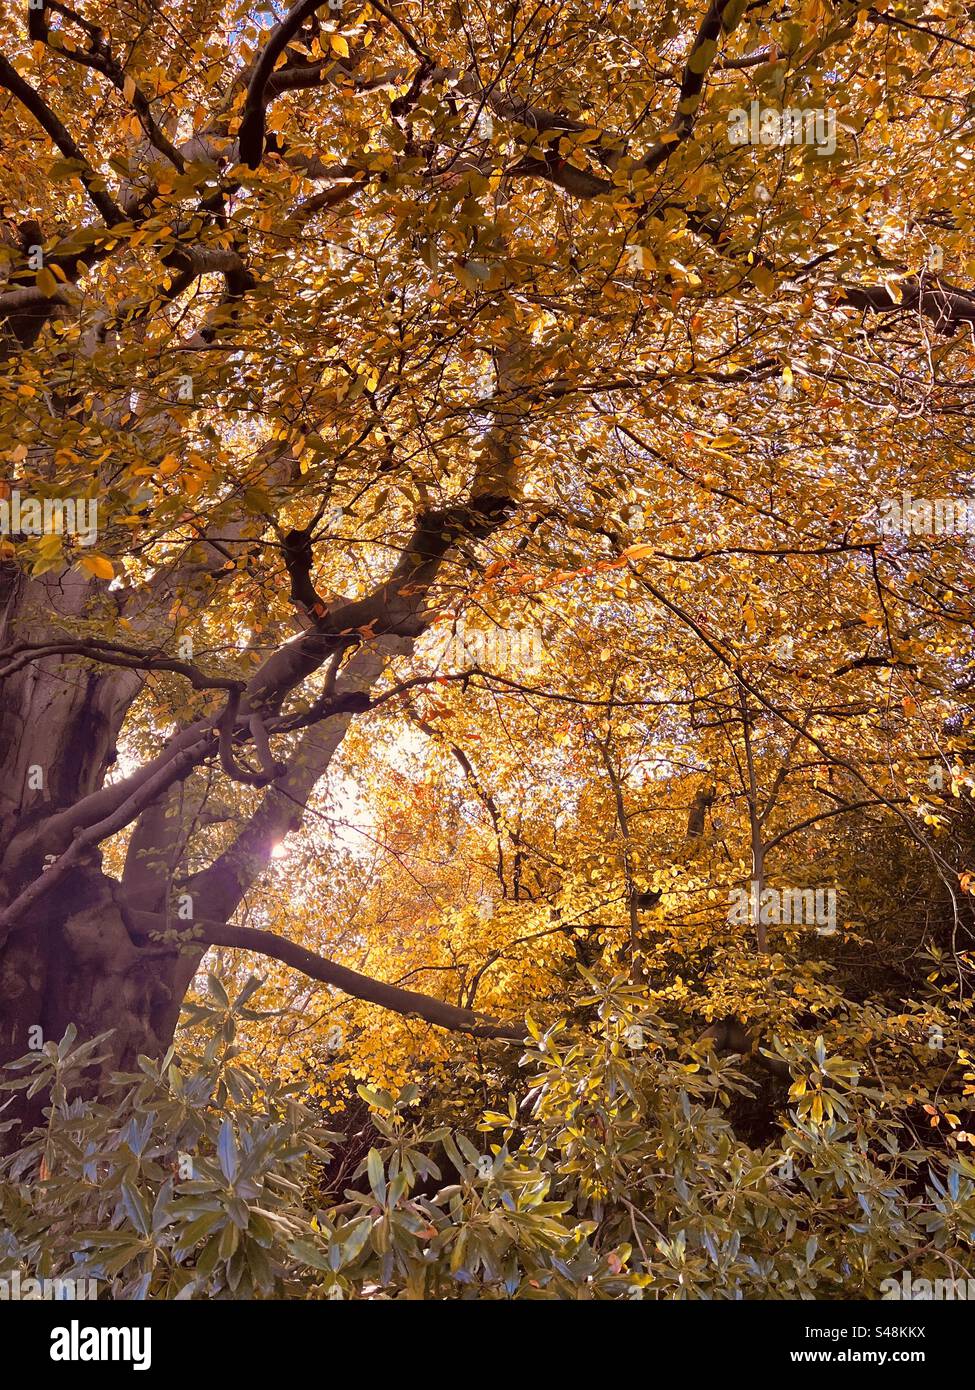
(45, 117)
(402, 1001)
(251, 134)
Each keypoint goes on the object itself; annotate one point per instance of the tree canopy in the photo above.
(487, 495)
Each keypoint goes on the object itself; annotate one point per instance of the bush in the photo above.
(617, 1174)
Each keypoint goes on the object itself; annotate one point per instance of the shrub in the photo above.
(617, 1174)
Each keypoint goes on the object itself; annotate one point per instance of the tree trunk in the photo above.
(76, 962)
(69, 948)
(71, 958)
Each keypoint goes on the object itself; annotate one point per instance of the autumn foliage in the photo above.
(535, 513)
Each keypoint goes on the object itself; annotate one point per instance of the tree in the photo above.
(365, 324)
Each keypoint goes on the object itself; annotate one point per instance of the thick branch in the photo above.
(251, 135)
(402, 1001)
(147, 792)
(218, 890)
(45, 117)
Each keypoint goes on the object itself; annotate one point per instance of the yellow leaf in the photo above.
(763, 278)
(98, 565)
(339, 45)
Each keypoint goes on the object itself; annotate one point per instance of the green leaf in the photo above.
(227, 1150)
(377, 1178)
